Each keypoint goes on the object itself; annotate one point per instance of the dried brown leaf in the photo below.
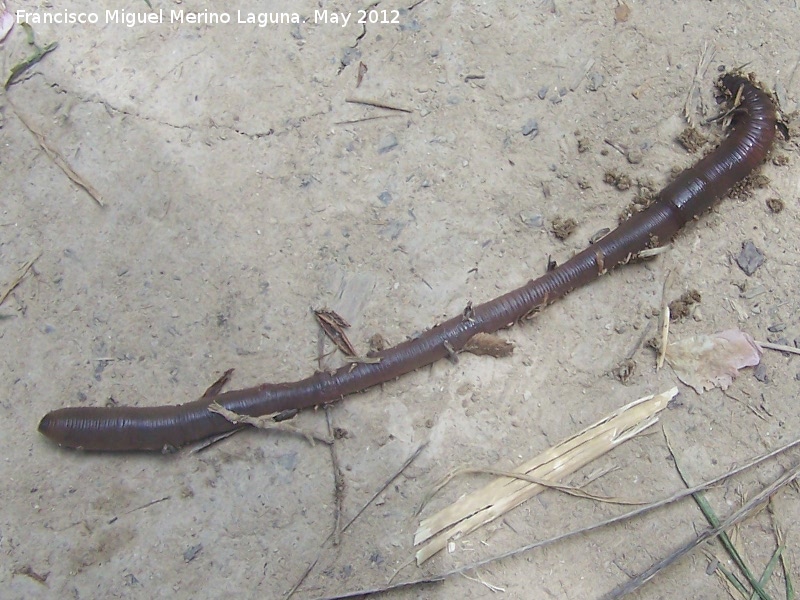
(707, 361)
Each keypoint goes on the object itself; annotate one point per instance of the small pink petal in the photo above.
(6, 23)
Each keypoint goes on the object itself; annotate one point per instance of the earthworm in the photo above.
(694, 191)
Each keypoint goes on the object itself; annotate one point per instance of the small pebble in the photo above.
(595, 81)
(532, 219)
(760, 373)
(542, 93)
(531, 128)
(750, 258)
(634, 156)
(385, 198)
(412, 25)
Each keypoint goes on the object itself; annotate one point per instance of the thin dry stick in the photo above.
(380, 490)
(300, 581)
(740, 515)
(664, 329)
(477, 579)
(387, 483)
(354, 121)
(377, 104)
(549, 542)
(213, 440)
(215, 388)
(60, 162)
(781, 347)
(338, 481)
(23, 270)
(266, 422)
(632, 352)
(781, 542)
(142, 507)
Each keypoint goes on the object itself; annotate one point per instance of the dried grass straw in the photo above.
(505, 493)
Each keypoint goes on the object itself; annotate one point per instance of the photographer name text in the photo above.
(240, 17)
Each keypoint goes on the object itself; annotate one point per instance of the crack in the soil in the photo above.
(342, 64)
(112, 110)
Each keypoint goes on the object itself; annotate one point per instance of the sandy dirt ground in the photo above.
(242, 187)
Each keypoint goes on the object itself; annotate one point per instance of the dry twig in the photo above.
(377, 104)
(338, 482)
(379, 491)
(266, 422)
(60, 162)
(23, 270)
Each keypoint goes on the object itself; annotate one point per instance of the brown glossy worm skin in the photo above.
(687, 197)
